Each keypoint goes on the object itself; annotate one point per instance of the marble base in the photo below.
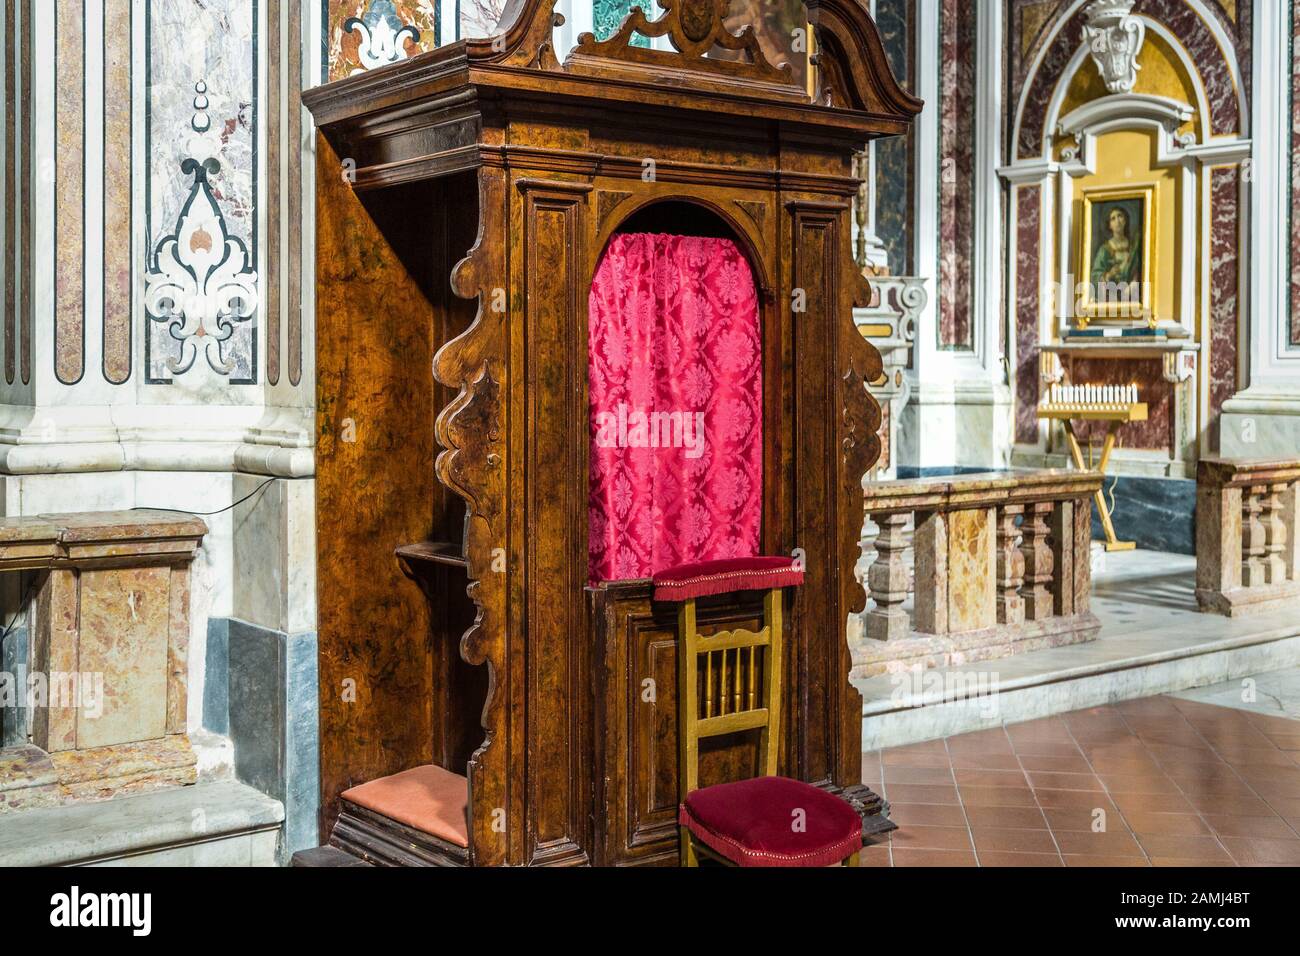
(261, 690)
(871, 658)
(27, 779)
(218, 824)
(1240, 602)
(101, 773)
(31, 777)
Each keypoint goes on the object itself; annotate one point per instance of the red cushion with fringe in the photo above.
(772, 821)
(724, 575)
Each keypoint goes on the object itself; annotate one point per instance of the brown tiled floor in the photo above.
(1168, 782)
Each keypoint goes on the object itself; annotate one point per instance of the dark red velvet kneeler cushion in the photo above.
(702, 578)
(753, 822)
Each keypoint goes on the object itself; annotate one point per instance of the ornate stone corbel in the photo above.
(1114, 37)
(1178, 366)
(1070, 153)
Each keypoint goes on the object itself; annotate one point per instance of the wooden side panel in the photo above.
(836, 422)
(553, 368)
(375, 485)
(809, 668)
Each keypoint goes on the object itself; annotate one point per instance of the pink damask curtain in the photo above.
(676, 388)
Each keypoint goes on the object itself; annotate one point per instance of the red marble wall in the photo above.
(1224, 289)
(1027, 219)
(956, 172)
(1157, 432)
(1295, 180)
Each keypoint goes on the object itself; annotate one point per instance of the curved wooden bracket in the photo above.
(852, 70)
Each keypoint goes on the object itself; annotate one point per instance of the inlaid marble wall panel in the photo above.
(17, 219)
(1225, 299)
(361, 35)
(1295, 180)
(1027, 221)
(201, 187)
(364, 34)
(895, 155)
(119, 160)
(957, 134)
(70, 191)
(282, 303)
(160, 162)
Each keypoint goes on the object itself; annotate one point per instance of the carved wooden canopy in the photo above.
(546, 160)
(856, 94)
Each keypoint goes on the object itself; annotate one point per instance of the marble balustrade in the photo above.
(106, 680)
(1001, 564)
(1247, 547)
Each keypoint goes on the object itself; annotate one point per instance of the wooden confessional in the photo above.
(456, 624)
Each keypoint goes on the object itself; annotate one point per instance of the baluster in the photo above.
(1253, 539)
(1011, 566)
(887, 581)
(750, 696)
(708, 684)
(1291, 522)
(1275, 569)
(724, 692)
(738, 683)
(1037, 555)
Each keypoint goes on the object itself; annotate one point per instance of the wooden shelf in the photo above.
(436, 552)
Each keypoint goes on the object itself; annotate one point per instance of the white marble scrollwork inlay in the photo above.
(381, 35)
(201, 283)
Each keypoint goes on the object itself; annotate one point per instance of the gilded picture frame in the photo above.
(1116, 259)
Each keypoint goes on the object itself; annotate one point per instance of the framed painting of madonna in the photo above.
(1117, 253)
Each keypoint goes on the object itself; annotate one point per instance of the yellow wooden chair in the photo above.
(768, 820)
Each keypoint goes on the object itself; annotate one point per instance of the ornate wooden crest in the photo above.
(695, 28)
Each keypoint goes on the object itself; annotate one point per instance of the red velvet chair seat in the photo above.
(429, 799)
(751, 823)
(760, 573)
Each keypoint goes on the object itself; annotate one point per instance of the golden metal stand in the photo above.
(1114, 415)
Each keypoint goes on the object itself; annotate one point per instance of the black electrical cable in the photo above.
(207, 514)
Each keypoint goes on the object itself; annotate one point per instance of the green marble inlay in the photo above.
(608, 15)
